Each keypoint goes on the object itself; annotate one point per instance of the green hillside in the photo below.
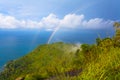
(61, 61)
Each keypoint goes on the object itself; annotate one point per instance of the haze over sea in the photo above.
(16, 43)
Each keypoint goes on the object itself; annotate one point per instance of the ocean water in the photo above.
(14, 44)
(82, 36)
(17, 43)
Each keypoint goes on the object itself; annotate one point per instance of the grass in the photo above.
(61, 61)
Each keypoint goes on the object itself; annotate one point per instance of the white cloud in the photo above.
(97, 23)
(8, 22)
(50, 22)
(72, 20)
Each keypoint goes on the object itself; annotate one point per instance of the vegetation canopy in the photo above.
(62, 61)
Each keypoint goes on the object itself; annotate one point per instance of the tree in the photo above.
(116, 25)
(117, 29)
(98, 40)
(85, 48)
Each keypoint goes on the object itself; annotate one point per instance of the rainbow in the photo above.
(52, 35)
(72, 12)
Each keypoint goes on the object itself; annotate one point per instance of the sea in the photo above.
(17, 43)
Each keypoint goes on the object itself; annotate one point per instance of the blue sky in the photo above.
(47, 14)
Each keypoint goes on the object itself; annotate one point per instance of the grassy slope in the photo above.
(60, 61)
(44, 61)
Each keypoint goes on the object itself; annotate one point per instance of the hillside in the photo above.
(42, 62)
(61, 61)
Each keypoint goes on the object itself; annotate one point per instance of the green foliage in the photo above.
(33, 77)
(98, 40)
(85, 48)
(60, 61)
(116, 24)
(117, 29)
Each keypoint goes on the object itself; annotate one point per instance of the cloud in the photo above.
(97, 23)
(72, 20)
(8, 22)
(50, 22)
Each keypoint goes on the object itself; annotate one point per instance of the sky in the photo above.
(66, 14)
(58, 18)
